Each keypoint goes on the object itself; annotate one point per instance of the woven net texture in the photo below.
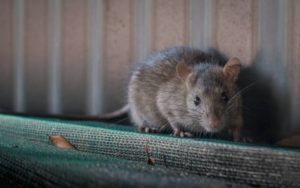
(108, 155)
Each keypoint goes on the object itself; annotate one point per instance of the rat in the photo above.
(182, 89)
(188, 91)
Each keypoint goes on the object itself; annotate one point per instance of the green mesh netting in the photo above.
(110, 155)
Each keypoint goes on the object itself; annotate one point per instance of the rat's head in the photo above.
(212, 95)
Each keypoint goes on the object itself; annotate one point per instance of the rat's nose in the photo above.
(213, 121)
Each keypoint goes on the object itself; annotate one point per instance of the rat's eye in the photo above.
(224, 97)
(197, 101)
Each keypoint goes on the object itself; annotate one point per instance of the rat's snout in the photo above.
(213, 121)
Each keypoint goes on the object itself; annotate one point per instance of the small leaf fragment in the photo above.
(60, 142)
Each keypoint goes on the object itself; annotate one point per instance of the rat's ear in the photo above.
(182, 71)
(232, 68)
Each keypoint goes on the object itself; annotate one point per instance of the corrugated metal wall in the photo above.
(73, 56)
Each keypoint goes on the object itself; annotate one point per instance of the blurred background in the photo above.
(74, 56)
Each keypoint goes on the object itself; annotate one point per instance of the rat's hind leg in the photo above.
(142, 124)
(136, 118)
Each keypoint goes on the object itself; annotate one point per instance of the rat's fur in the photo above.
(161, 94)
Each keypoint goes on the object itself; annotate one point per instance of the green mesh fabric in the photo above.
(108, 155)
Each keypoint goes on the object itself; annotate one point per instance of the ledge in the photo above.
(25, 141)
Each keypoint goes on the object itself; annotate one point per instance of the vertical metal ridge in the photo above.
(283, 49)
(187, 22)
(142, 24)
(95, 70)
(202, 21)
(294, 64)
(287, 16)
(266, 44)
(7, 56)
(153, 24)
(283, 28)
(197, 23)
(54, 40)
(259, 18)
(273, 34)
(255, 28)
(19, 76)
(210, 22)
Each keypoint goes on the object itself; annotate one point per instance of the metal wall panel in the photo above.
(36, 56)
(73, 56)
(118, 51)
(169, 23)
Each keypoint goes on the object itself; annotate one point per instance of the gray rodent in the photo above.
(181, 89)
(186, 90)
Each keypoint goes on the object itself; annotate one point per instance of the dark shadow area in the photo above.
(260, 110)
(265, 110)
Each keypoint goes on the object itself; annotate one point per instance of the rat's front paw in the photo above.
(180, 133)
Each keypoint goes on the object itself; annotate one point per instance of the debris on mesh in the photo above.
(150, 160)
(60, 142)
